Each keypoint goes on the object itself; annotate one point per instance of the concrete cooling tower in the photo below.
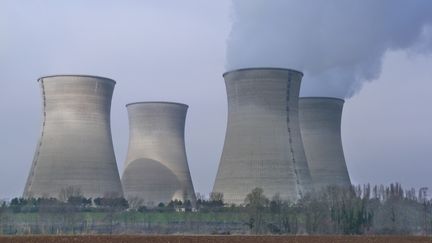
(320, 123)
(263, 146)
(75, 148)
(156, 167)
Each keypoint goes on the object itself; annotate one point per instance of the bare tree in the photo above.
(216, 196)
(423, 194)
(256, 202)
(135, 203)
(68, 192)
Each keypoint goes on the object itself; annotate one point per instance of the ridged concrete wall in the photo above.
(156, 167)
(75, 148)
(320, 123)
(263, 146)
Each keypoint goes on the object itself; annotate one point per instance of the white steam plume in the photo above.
(338, 44)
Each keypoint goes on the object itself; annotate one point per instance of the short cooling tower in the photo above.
(320, 123)
(156, 168)
(75, 148)
(263, 146)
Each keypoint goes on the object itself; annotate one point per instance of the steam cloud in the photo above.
(338, 44)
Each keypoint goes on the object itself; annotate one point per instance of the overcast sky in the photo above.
(176, 51)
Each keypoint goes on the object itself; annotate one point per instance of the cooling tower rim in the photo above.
(77, 75)
(157, 102)
(320, 98)
(262, 68)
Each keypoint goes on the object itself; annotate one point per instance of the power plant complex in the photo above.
(263, 145)
(276, 141)
(75, 148)
(156, 168)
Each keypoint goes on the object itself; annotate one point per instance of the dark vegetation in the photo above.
(214, 239)
(357, 210)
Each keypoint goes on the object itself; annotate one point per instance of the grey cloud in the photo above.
(338, 44)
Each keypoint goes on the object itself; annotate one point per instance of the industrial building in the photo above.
(75, 148)
(320, 123)
(156, 167)
(263, 146)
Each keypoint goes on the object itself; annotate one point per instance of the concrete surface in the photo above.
(263, 146)
(156, 167)
(320, 123)
(75, 148)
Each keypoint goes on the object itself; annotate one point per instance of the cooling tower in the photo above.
(156, 167)
(75, 148)
(320, 123)
(263, 146)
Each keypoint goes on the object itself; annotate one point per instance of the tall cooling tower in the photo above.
(263, 146)
(320, 123)
(156, 167)
(75, 148)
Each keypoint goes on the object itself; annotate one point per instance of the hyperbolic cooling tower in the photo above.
(156, 167)
(263, 146)
(75, 148)
(320, 123)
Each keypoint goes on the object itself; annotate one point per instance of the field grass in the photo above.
(154, 217)
(216, 239)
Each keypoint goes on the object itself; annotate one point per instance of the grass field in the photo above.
(155, 217)
(216, 239)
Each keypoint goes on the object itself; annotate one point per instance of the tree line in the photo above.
(355, 210)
